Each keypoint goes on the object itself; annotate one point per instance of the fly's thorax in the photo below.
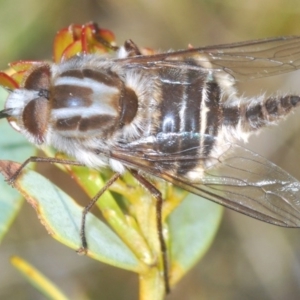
(90, 102)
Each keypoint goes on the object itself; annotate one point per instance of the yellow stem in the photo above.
(152, 285)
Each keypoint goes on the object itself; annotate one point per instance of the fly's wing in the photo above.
(246, 60)
(240, 180)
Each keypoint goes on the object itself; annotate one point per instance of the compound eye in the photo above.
(38, 79)
(35, 118)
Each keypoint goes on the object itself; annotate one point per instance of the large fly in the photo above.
(176, 116)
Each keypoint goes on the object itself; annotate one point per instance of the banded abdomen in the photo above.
(200, 113)
(189, 116)
(253, 114)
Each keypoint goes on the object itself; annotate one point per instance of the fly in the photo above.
(176, 116)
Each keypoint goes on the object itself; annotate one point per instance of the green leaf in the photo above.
(13, 146)
(10, 203)
(61, 216)
(193, 226)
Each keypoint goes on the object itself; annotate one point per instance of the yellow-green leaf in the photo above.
(193, 226)
(61, 216)
(42, 283)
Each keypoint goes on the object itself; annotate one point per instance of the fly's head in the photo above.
(27, 108)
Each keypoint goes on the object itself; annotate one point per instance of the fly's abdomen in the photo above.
(200, 114)
(190, 117)
(252, 115)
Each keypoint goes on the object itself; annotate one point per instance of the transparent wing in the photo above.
(246, 60)
(240, 180)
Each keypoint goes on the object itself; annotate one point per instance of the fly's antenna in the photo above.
(7, 89)
(5, 113)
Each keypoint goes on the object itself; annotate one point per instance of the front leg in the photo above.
(37, 159)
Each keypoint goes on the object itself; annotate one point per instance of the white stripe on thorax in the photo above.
(96, 86)
(69, 112)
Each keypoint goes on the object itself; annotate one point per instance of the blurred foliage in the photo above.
(42, 283)
(27, 27)
(248, 261)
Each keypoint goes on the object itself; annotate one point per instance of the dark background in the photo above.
(249, 259)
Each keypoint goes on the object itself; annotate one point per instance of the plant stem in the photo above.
(152, 285)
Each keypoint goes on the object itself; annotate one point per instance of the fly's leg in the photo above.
(84, 244)
(159, 202)
(36, 159)
(131, 48)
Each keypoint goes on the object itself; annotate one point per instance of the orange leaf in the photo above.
(7, 81)
(23, 65)
(73, 49)
(62, 40)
